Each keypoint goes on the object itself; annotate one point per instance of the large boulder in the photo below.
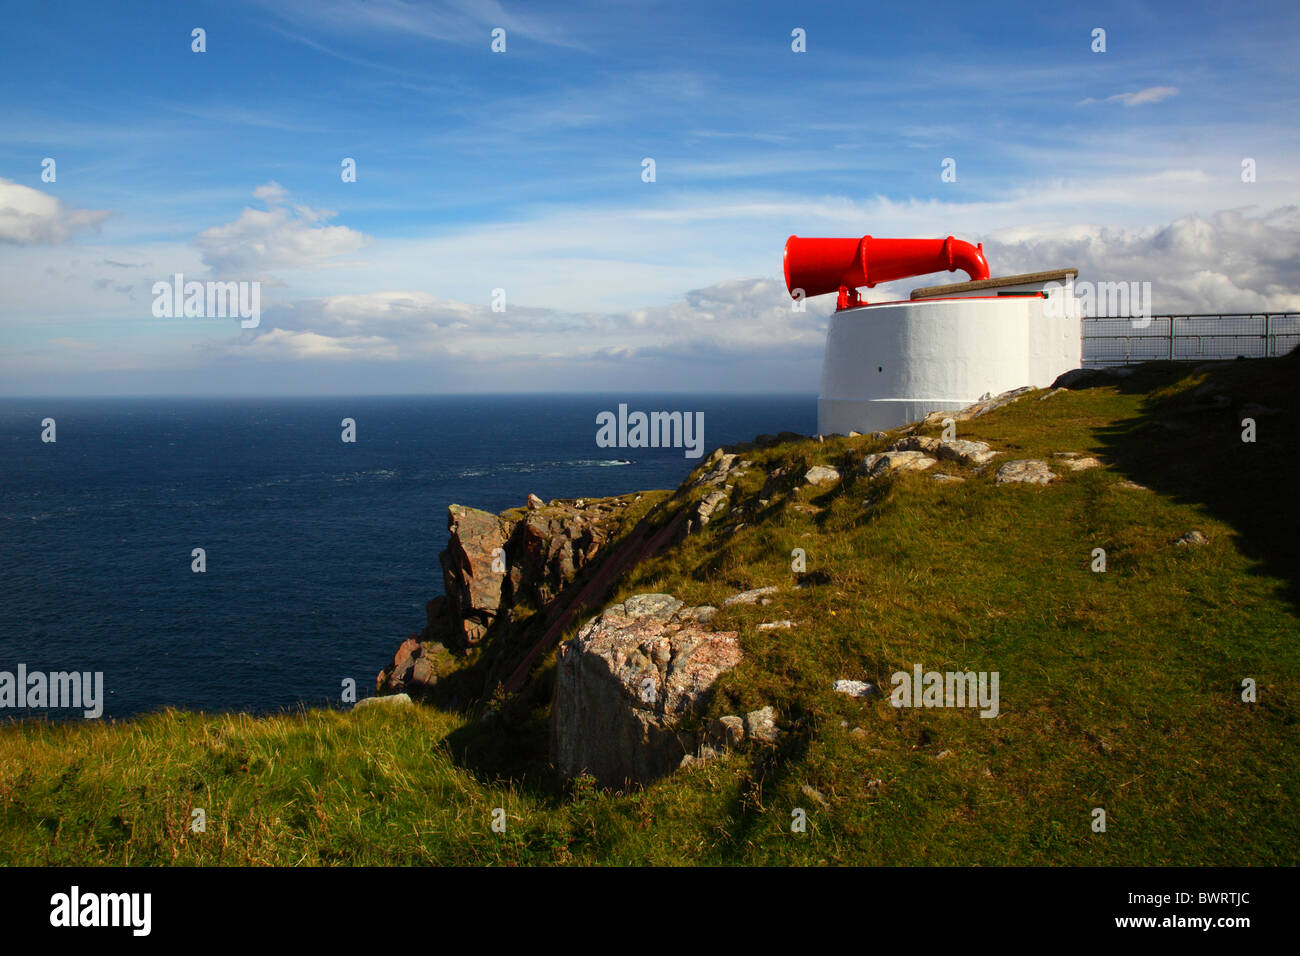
(627, 682)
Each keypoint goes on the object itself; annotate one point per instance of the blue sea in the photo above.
(320, 554)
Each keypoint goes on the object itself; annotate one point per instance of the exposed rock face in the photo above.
(492, 564)
(962, 452)
(549, 545)
(415, 669)
(1025, 471)
(711, 502)
(725, 467)
(974, 453)
(980, 408)
(889, 461)
(626, 682)
(471, 586)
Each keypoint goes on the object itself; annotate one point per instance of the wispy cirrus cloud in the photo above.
(460, 22)
(1152, 94)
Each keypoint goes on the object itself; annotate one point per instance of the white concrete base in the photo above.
(894, 363)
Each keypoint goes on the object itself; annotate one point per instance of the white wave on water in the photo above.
(528, 467)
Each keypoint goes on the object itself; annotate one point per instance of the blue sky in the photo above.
(522, 171)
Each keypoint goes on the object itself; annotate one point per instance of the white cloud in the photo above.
(271, 193)
(1152, 94)
(748, 318)
(276, 238)
(29, 216)
(1229, 262)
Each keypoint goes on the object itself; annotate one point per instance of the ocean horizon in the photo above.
(319, 554)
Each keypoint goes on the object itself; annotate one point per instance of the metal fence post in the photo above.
(1172, 320)
(1268, 338)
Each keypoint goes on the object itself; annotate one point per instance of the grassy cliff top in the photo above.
(1120, 690)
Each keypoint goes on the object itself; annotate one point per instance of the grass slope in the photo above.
(1119, 690)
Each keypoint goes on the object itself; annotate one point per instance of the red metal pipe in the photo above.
(818, 266)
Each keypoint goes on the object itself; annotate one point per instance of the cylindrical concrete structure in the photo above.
(894, 363)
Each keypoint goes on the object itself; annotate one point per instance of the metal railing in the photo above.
(1189, 338)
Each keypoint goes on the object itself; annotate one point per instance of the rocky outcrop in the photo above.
(473, 568)
(974, 453)
(723, 467)
(1028, 471)
(627, 682)
(415, 669)
(886, 462)
(494, 565)
(981, 408)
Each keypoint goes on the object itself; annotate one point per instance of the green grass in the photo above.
(1119, 690)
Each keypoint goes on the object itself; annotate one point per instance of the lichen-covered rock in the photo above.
(973, 453)
(1026, 471)
(626, 683)
(821, 475)
(895, 461)
(722, 467)
(760, 725)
